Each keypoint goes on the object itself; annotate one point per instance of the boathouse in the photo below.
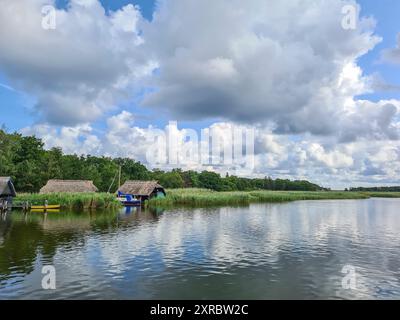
(7, 189)
(142, 190)
(69, 186)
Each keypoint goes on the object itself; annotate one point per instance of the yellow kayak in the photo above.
(49, 207)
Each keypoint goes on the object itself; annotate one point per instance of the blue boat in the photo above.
(128, 200)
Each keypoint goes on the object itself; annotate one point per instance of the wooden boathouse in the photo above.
(142, 190)
(69, 186)
(7, 193)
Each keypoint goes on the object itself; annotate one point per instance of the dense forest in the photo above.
(25, 159)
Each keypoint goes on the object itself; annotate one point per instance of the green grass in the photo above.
(72, 200)
(382, 194)
(202, 197)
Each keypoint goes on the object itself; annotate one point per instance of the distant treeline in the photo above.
(31, 166)
(376, 189)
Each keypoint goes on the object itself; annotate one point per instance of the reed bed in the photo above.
(78, 201)
(195, 197)
(202, 197)
(382, 194)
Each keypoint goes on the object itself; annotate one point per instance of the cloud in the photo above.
(372, 170)
(79, 139)
(84, 67)
(379, 84)
(318, 159)
(375, 121)
(258, 61)
(392, 55)
(285, 64)
(7, 87)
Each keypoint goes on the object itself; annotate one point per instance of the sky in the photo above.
(322, 96)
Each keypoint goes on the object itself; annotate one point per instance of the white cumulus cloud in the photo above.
(85, 66)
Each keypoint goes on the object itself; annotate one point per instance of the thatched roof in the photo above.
(6, 187)
(141, 188)
(69, 186)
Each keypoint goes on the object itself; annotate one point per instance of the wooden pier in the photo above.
(6, 206)
(9, 205)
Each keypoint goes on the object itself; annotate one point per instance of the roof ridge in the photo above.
(141, 181)
(61, 180)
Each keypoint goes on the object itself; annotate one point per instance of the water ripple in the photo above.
(267, 251)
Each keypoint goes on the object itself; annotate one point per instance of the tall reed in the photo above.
(72, 200)
(202, 197)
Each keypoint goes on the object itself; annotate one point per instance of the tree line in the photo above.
(30, 165)
(375, 189)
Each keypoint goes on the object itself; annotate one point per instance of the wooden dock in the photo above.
(6, 206)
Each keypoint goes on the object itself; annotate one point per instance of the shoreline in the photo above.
(195, 198)
(203, 197)
(75, 201)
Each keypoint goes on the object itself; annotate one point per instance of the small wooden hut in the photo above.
(143, 190)
(69, 186)
(7, 189)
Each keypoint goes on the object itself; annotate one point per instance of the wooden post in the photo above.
(3, 205)
(119, 177)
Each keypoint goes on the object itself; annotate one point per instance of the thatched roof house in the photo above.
(142, 189)
(7, 188)
(69, 186)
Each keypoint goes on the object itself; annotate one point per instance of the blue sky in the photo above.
(388, 26)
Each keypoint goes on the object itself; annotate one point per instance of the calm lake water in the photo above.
(264, 251)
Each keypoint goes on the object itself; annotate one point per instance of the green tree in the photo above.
(210, 180)
(171, 180)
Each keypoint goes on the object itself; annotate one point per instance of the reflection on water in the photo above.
(264, 251)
